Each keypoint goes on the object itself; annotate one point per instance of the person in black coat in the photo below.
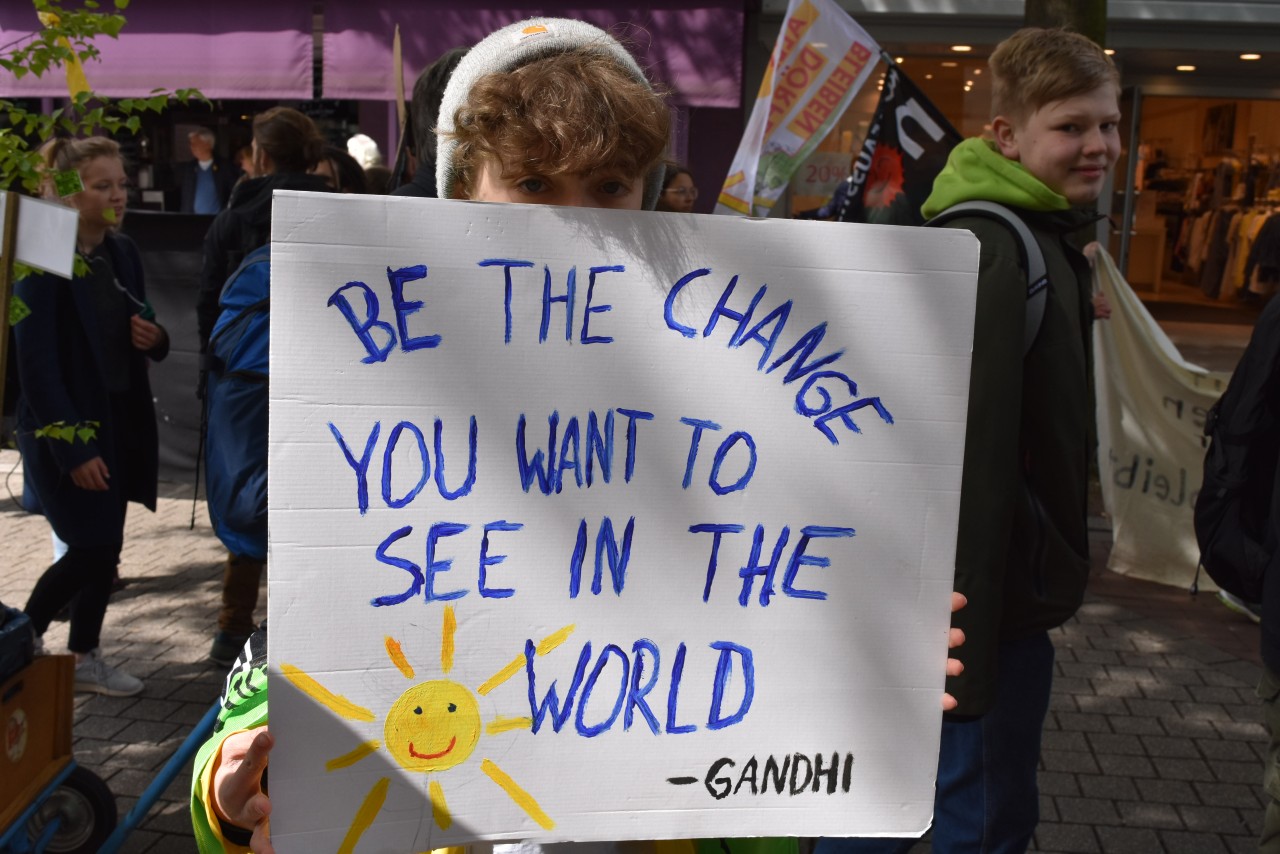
(286, 145)
(424, 110)
(86, 422)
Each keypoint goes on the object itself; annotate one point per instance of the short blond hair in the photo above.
(1037, 66)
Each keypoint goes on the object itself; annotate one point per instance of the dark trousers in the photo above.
(987, 800)
(82, 579)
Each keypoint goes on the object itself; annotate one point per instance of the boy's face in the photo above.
(599, 189)
(1068, 144)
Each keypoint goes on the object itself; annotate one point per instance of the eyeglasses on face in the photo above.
(687, 192)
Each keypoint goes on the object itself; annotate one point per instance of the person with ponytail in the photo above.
(286, 147)
(86, 420)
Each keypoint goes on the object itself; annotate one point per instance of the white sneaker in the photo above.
(95, 675)
(1248, 609)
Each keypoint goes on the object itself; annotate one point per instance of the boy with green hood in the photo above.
(1022, 556)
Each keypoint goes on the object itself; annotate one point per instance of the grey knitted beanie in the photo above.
(506, 50)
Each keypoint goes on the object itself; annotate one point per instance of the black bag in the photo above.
(1233, 509)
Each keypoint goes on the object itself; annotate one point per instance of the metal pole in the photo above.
(7, 240)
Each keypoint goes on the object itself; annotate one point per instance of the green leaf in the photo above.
(86, 434)
(122, 4)
(18, 310)
(134, 123)
(66, 434)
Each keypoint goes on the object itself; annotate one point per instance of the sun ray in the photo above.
(501, 724)
(348, 759)
(397, 657)
(522, 799)
(439, 809)
(446, 642)
(365, 815)
(340, 706)
(545, 646)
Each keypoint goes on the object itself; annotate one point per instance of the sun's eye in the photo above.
(418, 710)
(453, 707)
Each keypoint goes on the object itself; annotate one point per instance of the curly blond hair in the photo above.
(573, 112)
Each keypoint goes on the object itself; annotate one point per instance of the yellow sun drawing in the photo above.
(432, 727)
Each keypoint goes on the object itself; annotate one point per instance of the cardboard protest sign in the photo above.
(604, 525)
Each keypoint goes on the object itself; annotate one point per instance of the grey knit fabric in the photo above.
(506, 50)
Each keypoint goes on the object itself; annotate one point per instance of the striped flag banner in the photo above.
(820, 61)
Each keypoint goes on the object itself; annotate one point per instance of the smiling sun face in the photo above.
(433, 726)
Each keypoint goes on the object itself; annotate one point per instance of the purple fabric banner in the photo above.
(692, 48)
(229, 49)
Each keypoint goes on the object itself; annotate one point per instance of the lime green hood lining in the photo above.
(977, 171)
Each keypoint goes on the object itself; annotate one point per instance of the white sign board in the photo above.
(601, 525)
(46, 235)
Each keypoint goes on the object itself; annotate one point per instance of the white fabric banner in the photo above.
(820, 61)
(607, 525)
(1151, 409)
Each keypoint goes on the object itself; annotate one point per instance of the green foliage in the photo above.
(85, 431)
(67, 37)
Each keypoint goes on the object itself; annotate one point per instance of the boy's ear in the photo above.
(1006, 135)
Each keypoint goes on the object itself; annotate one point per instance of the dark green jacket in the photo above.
(1022, 556)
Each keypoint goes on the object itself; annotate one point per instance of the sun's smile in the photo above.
(416, 755)
(433, 726)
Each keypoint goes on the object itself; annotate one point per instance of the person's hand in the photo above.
(144, 333)
(1090, 251)
(1101, 306)
(91, 475)
(238, 797)
(955, 638)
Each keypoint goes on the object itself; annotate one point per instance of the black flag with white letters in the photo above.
(905, 149)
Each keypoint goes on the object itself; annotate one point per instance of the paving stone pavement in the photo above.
(1153, 742)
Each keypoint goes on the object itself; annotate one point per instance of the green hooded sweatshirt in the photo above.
(1022, 552)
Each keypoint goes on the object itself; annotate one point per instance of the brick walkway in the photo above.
(1153, 743)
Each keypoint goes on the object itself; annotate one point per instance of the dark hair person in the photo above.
(678, 190)
(286, 146)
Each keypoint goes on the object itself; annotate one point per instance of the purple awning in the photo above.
(229, 49)
(693, 47)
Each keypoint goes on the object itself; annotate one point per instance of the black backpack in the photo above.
(1233, 509)
(1028, 251)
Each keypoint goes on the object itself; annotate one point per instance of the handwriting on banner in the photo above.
(394, 463)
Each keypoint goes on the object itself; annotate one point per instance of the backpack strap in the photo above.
(1028, 250)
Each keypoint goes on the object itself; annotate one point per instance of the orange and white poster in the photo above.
(820, 61)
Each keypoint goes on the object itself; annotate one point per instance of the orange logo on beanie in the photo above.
(531, 31)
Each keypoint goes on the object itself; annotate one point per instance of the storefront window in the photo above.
(1207, 180)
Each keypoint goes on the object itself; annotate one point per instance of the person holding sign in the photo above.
(1022, 554)
(86, 421)
(547, 111)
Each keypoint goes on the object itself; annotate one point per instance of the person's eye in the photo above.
(1069, 128)
(532, 185)
(615, 188)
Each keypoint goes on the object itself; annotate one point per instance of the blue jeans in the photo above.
(987, 800)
